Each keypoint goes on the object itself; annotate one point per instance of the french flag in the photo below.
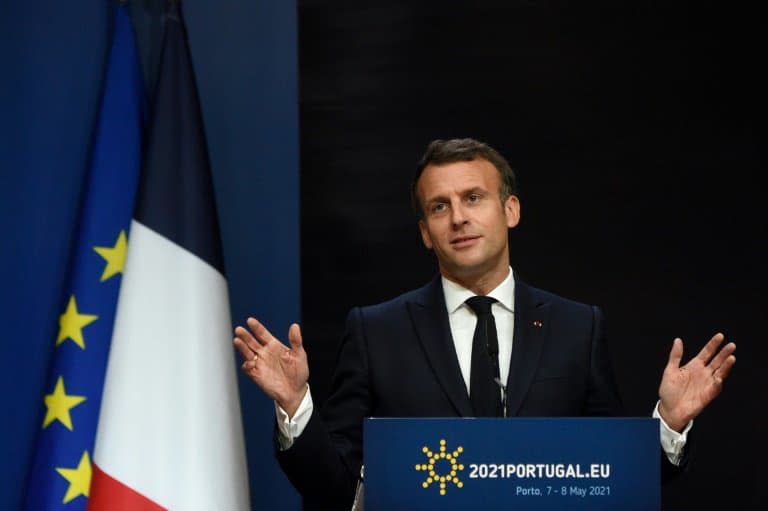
(170, 433)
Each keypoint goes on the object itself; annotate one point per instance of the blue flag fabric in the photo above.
(60, 472)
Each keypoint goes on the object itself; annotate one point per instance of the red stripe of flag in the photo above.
(109, 494)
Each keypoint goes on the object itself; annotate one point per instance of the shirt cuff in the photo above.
(288, 429)
(672, 442)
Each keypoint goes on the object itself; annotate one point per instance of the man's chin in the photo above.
(469, 268)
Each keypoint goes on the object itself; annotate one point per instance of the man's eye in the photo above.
(437, 208)
(474, 198)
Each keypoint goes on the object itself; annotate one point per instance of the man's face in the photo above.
(465, 222)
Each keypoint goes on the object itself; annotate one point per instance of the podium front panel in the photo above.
(518, 463)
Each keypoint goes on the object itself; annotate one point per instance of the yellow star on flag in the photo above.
(79, 478)
(59, 404)
(72, 322)
(115, 257)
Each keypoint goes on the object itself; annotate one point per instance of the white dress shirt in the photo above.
(462, 322)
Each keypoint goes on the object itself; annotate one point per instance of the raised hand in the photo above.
(686, 390)
(281, 372)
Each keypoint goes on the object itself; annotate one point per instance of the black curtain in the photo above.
(633, 130)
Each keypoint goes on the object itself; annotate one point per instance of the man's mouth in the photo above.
(464, 241)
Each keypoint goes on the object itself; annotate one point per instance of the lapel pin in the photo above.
(537, 323)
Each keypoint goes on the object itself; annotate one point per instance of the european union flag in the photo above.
(60, 474)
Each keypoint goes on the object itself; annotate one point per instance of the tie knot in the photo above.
(481, 304)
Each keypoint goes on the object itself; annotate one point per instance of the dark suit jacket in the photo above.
(397, 359)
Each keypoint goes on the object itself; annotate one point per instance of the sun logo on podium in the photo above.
(441, 467)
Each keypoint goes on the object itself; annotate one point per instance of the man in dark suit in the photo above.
(475, 341)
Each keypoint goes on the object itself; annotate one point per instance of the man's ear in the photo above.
(425, 237)
(512, 211)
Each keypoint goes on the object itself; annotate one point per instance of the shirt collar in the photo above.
(456, 294)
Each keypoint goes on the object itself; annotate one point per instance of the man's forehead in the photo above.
(461, 175)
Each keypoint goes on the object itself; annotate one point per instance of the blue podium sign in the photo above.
(518, 463)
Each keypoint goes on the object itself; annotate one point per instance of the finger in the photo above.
(244, 350)
(250, 363)
(247, 367)
(721, 373)
(676, 353)
(709, 349)
(248, 339)
(260, 332)
(294, 337)
(724, 353)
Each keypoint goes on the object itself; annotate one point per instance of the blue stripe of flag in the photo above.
(176, 196)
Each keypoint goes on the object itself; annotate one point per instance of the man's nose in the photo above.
(458, 215)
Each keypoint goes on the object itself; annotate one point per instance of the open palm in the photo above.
(686, 390)
(281, 372)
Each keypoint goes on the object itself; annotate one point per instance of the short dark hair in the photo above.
(463, 149)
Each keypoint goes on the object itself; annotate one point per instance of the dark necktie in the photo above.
(483, 390)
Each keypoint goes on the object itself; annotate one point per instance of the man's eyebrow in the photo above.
(462, 193)
(436, 198)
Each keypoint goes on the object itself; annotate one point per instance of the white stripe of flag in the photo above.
(170, 425)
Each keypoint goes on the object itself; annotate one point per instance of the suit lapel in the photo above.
(430, 319)
(530, 330)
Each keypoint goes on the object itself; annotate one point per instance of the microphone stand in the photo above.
(358, 504)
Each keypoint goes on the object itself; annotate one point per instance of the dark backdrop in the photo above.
(633, 130)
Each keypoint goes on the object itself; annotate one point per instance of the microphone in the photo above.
(503, 395)
(493, 352)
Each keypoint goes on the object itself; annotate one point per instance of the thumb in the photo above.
(676, 353)
(294, 337)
